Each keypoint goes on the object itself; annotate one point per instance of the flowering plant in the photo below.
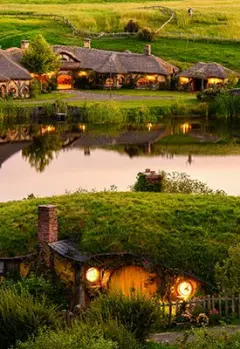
(202, 320)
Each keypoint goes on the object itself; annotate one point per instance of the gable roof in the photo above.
(102, 61)
(203, 70)
(10, 70)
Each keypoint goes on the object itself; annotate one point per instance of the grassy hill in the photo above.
(212, 19)
(182, 231)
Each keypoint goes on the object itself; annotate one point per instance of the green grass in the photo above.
(146, 93)
(211, 18)
(139, 103)
(53, 96)
(176, 50)
(183, 231)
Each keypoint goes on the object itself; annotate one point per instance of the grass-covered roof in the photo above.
(182, 231)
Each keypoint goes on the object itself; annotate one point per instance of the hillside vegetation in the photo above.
(187, 232)
(211, 18)
(182, 42)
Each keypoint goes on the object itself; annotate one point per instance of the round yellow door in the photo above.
(133, 279)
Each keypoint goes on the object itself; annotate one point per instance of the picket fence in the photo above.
(225, 306)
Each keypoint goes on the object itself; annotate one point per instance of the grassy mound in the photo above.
(182, 231)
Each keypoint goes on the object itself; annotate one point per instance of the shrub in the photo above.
(210, 93)
(174, 182)
(135, 312)
(22, 316)
(39, 287)
(116, 332)
(143, 184)
(146, 34)
(35, 88)
(131, 27)
(214, 317)
(81, 336)
(204, 339)
(226, 105)
(52, 84)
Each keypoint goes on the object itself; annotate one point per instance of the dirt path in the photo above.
(174, 337)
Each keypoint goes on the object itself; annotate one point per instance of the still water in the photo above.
(52, 159)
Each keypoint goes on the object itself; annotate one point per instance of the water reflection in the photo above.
(42, 143)
(101, 148)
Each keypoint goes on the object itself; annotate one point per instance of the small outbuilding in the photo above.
(205, 75)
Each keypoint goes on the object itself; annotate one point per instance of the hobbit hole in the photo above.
(85, 275)
(133, 279)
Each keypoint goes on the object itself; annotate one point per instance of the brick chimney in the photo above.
(47, 224)
(24, 44)
(87, 43)
(148, 50)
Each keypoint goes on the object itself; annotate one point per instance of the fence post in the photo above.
(208, 302)
(213, 302)
(226, 306)
(176, 307)
(233, 304)
(220, 306)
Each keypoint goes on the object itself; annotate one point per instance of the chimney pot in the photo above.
(87, 43)
(24, 44)
(148, 50)
(47, 224)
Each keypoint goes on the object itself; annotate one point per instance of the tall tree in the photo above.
(39, 58)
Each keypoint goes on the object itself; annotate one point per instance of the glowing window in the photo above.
(92, 275)
(185, 289)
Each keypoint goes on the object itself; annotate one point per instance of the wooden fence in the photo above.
(225, 306)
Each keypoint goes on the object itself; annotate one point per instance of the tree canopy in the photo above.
(39, 58)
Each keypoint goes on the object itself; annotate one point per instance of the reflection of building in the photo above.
(87, 151)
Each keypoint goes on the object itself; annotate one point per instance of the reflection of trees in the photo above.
(41, 151)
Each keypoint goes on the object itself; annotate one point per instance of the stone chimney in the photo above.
(24, 44)
(87, 43)
(47, 225)
(148, 50)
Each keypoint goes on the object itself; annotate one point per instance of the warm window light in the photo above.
(214, 81)
(47, 129)
(92, 274)
(150, 77)
(50, 128)
(186, 127)
(183, 80)
(149, 126)
(82, 127)
(185, 289)
(82, 73)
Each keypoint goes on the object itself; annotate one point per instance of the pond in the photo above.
(45, 160)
